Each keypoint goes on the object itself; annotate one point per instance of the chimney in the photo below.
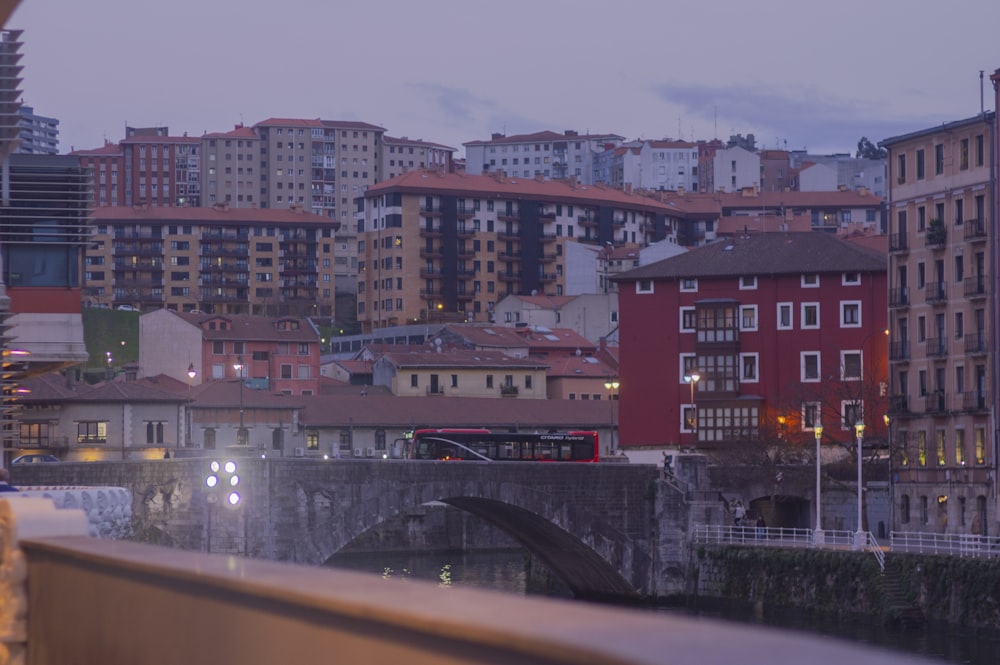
(680, 190)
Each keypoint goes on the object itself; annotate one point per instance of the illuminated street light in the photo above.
(242, 436)
(692, 379)
(611, 385)
(818, 537)
(860, 539)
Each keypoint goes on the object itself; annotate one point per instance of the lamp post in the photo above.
(860, 538)
(222, 482)
(888, 437)
(192, 372)
(691, 379)
(611, 385)
(241, 435)
(818, 537)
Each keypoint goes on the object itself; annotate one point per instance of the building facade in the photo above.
(219, 260)
(942, 291)
(435, 244)
(544, 154)
(39, 135)
(784, 331)
(404, 154)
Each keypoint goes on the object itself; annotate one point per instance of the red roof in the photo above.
(240, 132)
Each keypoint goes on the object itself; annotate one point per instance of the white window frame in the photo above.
(756, 317)
(843, 365)
(851, 279)
(748, 283)
(844, 304)
(802, 316)
(817, 410)
(756, 367)
(685, 409)
(680, 321)
(791, 316)
(844, 405)
(807, 284)
(688, 284)
(680, 369)
(643, 286)
(802, 366)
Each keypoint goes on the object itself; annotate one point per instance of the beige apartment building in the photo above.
(942, 309)
(230, 162)
(435, 246)
(217, 260)
(404, 154)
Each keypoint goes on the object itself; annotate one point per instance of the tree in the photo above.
(868, 150)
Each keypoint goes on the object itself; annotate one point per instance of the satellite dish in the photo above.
(578, 353)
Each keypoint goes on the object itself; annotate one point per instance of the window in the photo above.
(688, 319)
(850, 314)
(810, 415)
(809, 364)
(852, 413)
(960, 447)
(414, 381)
(748, 367)
(810, 281)
(154, 432)
(644, 286)
(939, 447)
(748, 282)
(489, 381)
(92, 431)
(748, 317)
(785, 320)
(689, 284)
(922, 448)
(851, 278)
(920, 164)
(939, 159)
(286, 370)
(980, 445)
(312, 439)
(850, 365)
(810, 315)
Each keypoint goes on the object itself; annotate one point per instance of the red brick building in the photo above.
(784, 330)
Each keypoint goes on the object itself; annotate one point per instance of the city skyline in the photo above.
(793, 77)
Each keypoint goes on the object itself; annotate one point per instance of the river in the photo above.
(506, 570)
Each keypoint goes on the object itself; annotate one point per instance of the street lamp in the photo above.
(611, 385)
(222, 482)
(860, 538)
(691, 379)
(818, 537)
(888, 436)
(241, 435)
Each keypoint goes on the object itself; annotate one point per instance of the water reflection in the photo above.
(514, 571)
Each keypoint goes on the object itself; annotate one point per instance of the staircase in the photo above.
(900, 612)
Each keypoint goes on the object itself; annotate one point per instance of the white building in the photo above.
(735, 168)
(546, 154)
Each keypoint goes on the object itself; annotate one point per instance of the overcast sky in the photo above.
(452, 71)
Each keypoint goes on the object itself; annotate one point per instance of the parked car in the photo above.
(126, 308)
(34, 458)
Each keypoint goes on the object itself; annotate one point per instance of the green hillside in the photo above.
(104, 330)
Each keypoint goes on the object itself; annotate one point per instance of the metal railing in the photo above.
(947, 544)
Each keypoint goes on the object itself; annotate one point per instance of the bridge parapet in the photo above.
(108, 509)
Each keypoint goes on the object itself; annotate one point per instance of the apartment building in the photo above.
(942, 314)
(784, 331)
(39, 135)
(546, 154)
(230, 162)
(148, 167)
(433, 244)
(649, 165)
(221, 260)
(404, 154)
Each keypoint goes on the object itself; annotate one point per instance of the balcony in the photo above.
(465, 213)
(508, 390)
(548, 237)
(899, 242)
(975, 230)
(430, 294)
(975, 401)
(508, 234)
(976, 344)
(975, 287)
(548, 257)
(935, 293)
(508, 216)
(547, 277)
(586, 220)
(936, 236)
(465, 232)
(430, 252)
(431, 273)
(899, 351)
(935, 403)
(465, 296)
(429, 211)
(510, 256)
(899, 297)
(509, 276)
(430, 232)
(937, 347)
(899, 405)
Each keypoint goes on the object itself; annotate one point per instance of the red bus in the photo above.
(484, 444)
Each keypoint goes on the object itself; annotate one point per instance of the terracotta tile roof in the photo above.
(352, 124)
(108, 149)
(216, 215)
(546, 136)
(392, 140)
(285, 122)
(460, 358)
(241, 132)
(250, 328)
(574, 366)
(49, 387)
(485, 336)
(422, 182)
(52, 387)
(546, 302)
(215, 394)
(356, 366)
(545, 340)
(765, 254)
(162, 139)
(415, 412)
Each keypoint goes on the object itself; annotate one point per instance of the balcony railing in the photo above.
(975, 230)
(937, 347)
(974, 400)
(899, 242)
(935, 293)
(975, 343)
(935, 402)
(975, 286)
(899, 351)
(899, 404)
(899, 297)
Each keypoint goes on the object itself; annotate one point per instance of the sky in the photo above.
(795, 76)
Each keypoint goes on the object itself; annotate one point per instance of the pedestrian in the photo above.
(667, 471)
(761, 525)
(5, 485)
(739, 512)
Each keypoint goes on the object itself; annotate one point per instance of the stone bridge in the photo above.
(595, 525)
